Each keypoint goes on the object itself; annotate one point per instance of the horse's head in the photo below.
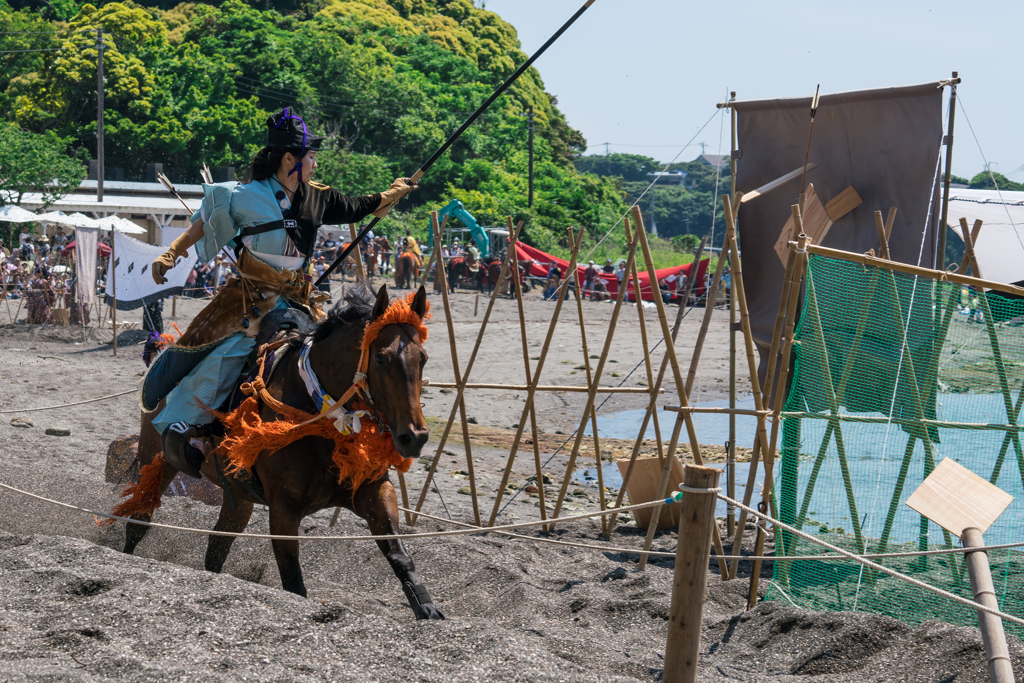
(395, 375)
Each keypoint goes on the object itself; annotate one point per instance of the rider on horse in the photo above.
(270, 221)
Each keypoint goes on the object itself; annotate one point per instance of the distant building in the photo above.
(719, 162)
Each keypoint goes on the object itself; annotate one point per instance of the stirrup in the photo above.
(179, 451)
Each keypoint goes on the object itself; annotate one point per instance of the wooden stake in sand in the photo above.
(112, 263)
(691, 575)
(462, 385)
(570, 273)
(458, 374)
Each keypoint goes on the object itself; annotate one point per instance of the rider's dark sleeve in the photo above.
(339, 208)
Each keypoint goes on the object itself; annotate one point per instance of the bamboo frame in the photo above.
(538, 468)
(591, 383)
(455, 368)
(462, 386)
(684, 399)
(656, 389)
(562, 290)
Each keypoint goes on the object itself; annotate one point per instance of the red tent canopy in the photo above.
(101, 249)
(677, 274)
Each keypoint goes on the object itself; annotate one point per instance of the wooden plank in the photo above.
(816, 225)
(775, 184)
(956, 499)
(643, 488)
(843, 203)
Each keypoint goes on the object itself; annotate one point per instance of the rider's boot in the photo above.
(179, 451)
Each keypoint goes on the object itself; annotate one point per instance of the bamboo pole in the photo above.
(546, 387)
(690, 579)
(562, 290)
(538, 468)
(476, 301)
(357, 257)
(112, 262)
(455, 368)
(593, 413)
(684, 399)
(883, 241)
(1000, 669)
(717, 411)
(652, 406)
(461, 390)
(591, 395)
(929, 273)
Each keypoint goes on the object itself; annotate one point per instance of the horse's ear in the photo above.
(382, 302)
(419, 302)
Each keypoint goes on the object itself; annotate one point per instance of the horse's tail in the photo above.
(145, 496)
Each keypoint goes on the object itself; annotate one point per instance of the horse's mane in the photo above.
(355, 307)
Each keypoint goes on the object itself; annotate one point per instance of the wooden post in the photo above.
(526, 365)
(174, 308)
(458, 373)
(570, 272)
(1000, 669)
(689, 583)
(462, 386)
(476, 301)
(435, 257)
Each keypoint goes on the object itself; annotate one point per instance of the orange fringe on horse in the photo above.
(360, 456)
(145, 496)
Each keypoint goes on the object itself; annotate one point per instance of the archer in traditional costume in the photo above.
(270, 222)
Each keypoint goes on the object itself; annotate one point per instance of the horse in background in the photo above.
(407, 270)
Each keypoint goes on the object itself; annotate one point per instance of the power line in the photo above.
(41, 49)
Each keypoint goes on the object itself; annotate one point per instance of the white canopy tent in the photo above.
(120, 224)
(15, 214)
(1000, 245)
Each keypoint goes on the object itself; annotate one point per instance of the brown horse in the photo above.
(458, 270)
(407, 270)
(490, 271)
(301, 478)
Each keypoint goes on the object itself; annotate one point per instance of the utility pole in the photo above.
(606, 152)
(654, 227)
(100, 171)
(702, 144)
(529, 203)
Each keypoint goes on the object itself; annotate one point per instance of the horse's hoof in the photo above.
(429, 611)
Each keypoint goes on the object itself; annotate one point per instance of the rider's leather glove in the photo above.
(179, 247)
(399, 188)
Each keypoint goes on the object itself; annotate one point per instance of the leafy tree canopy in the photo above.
(35, 163)
(385, 80)
(983, 181)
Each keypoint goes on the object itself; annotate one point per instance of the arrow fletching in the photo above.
(814, 101)
(166, 183)
(207, 176)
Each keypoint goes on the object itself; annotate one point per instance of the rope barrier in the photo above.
(874, 565)
(68, 405)
(385, 537)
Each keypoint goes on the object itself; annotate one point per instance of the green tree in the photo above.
(35, 163)
(984, 181)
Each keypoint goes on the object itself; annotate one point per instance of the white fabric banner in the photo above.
(132, 276)
(85, 258)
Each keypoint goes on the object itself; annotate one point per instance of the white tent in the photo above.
(76, 220)
(120, 224)
(1000, 245)
(15, 214)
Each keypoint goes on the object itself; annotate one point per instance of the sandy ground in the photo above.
(73, 608)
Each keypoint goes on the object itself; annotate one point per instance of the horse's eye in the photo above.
(380, 358)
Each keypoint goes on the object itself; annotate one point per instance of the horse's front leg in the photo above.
(378, 505)
(230, 520)
(285, 522)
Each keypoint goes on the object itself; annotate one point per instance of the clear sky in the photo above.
(645, 74)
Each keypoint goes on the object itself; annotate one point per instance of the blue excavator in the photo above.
(485, 238)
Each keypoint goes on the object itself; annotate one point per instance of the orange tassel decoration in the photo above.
(360, 456)
(145, 496)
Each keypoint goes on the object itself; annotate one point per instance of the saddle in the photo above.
(277, 326)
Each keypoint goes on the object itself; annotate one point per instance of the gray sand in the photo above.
(73, 608)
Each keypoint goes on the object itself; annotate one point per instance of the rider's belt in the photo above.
(267, 227)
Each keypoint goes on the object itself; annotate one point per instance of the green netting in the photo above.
(893, 374)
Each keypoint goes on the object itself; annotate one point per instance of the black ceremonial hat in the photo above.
(286, 129)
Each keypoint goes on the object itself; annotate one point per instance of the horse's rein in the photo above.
(258, 388)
